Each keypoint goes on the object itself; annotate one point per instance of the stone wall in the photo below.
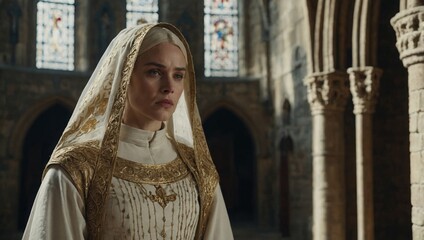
(288, 70)
(25, 94)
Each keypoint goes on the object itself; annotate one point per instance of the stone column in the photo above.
(408, 25)
(327, 95)
(364, 83)
(82, 36)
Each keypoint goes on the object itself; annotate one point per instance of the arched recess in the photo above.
(240, 112)
(28, 117)
(233, 151)
(35, 136)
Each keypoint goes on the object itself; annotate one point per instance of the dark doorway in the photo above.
(39, 143)
(233, 152)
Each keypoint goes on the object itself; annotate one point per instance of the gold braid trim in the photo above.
(207, 179)
(150, 174)
(105, 164)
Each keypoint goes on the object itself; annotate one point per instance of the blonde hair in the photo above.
(159, 35)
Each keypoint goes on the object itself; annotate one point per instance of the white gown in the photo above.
(143, 201)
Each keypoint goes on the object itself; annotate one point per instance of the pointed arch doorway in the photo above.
(233, 152)
(39, 142)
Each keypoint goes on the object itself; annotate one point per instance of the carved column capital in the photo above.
(364, 84)
(408, 25)
(327, 91)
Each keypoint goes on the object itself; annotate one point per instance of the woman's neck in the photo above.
(150, 126)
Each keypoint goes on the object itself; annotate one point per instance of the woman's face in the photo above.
(156, 85)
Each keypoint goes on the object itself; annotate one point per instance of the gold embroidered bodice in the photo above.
(151, 202)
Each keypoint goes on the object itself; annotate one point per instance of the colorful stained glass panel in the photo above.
(148, 10)
(55, 34)
(221, 38)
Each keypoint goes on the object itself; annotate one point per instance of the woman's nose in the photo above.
(167, 90)
(167, 85)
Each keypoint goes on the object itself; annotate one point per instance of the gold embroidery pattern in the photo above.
(78, 163)
(89, 125)
(161, 198)
(92, 108)
(151, 174)
(132, 211)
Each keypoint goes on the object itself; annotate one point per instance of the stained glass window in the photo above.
(142, 10)
(55, 34)
(221, 38)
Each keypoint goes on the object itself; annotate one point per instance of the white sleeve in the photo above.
(58, 210)
(219, 226)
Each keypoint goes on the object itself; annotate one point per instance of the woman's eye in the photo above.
(154, 72)
(179, 76)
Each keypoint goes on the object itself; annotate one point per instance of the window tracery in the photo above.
(55, 34)
(142, 11)
(221, 38)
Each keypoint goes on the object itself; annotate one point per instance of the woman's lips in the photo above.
(166, 103)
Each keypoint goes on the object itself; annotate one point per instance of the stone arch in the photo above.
(364, 33)
(41, 137)
(28, 117)
(233, 150)
(328, 38)
(240, 113)
(309, 12)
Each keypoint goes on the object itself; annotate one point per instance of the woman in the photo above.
(133, 162)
